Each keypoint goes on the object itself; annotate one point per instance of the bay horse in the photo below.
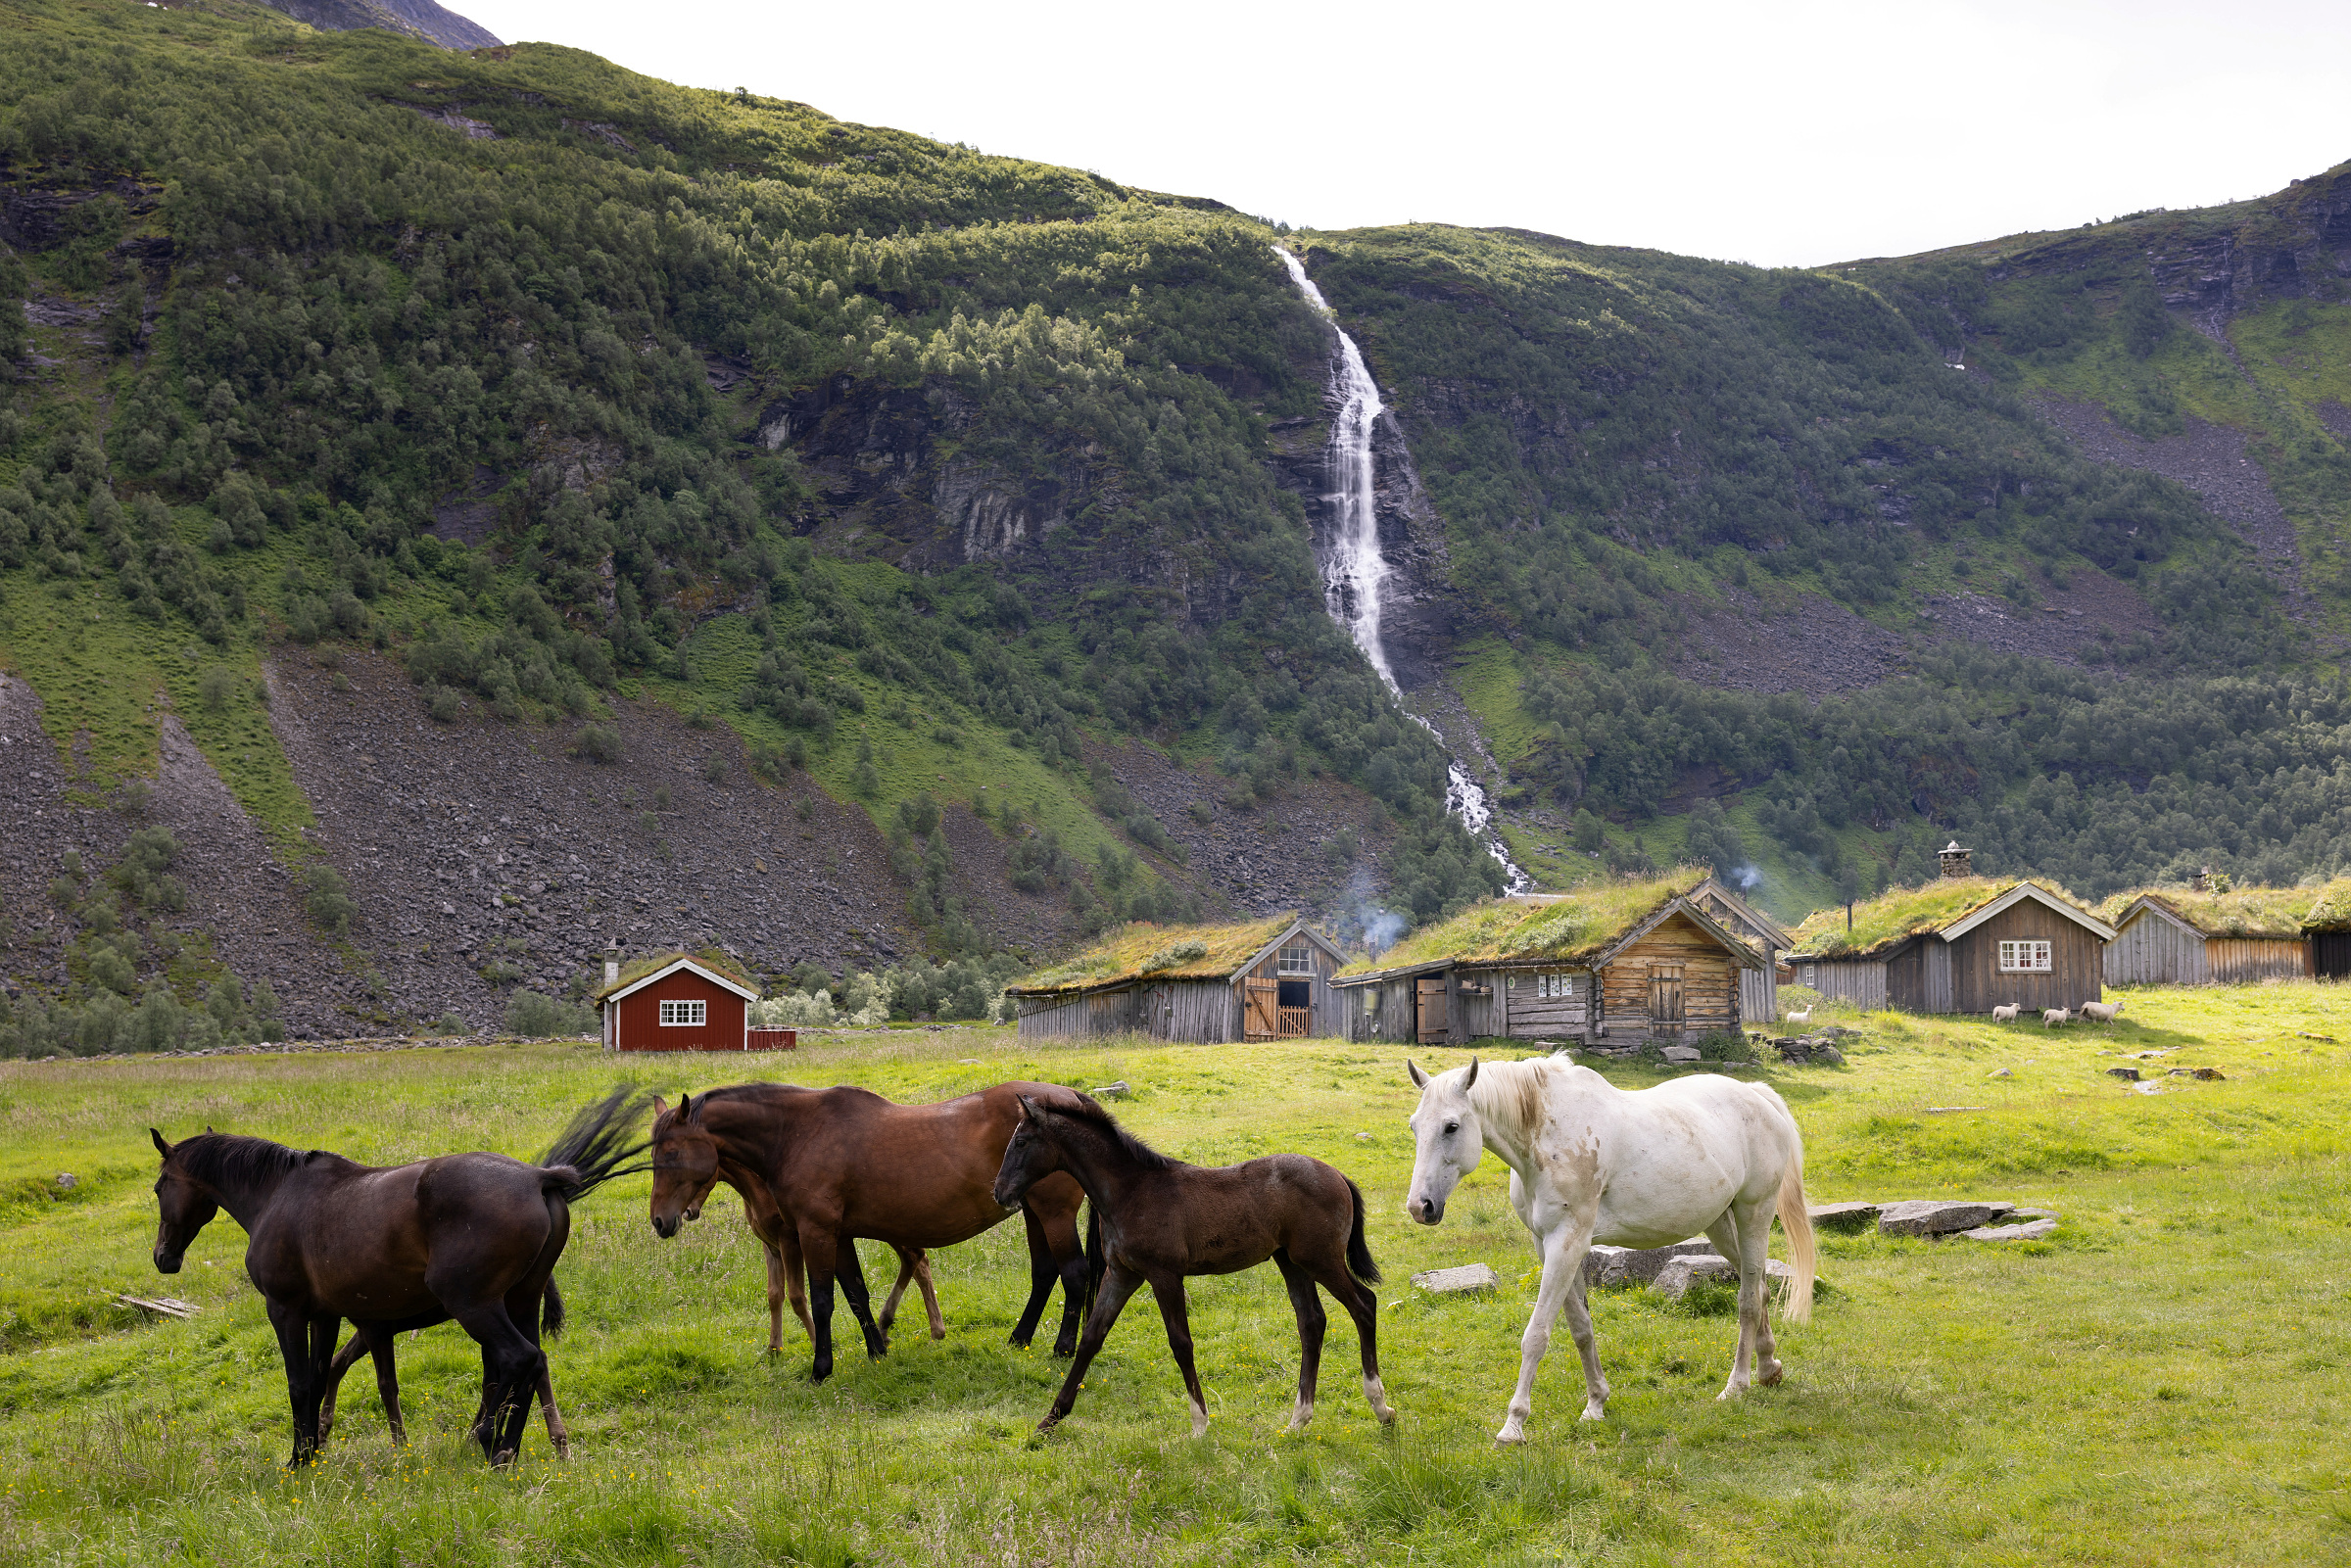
(819, 1166)
(1643, 1168)
(1157, 1221)
(472, 1237)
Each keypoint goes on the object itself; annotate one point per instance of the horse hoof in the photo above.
(502, 1459)
(1512, 1433)
(1771, 1376)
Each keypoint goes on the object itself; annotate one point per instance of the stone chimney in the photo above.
(1953, 860)
(611, 971)
(2202, 880)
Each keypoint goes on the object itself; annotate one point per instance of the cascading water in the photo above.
(1355, 572)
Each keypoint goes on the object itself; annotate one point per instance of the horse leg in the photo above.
(522, 1306)
(1042, 1270)
(335, 1372)
(1077, 1275)
(1118, 1284)
(306, 1373)
(1312, 1321)
(1362, 1307)
(1173, 1311)
(852, 1288)
(515, 1364)
(387, 1386)
(911, 1263)
(1563, 1262)
(1744, 1235)
(817, 1247)
(775, 1302)
(796, 1284)
(922, 1277)
(557, 1432)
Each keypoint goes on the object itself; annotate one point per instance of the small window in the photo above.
(1551, 985)
(2025, 957)
(1372, 1000)
(685, 1015)
(1295, 960)
(1811, 976)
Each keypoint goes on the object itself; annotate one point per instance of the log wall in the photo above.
(1709, 984)
(1532, 1017)
(2077, 972)
(1858, 981)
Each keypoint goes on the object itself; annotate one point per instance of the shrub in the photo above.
(1167, 958)
(216, 688)
(537, 1017)
(446, 707)
(596, 743)
(328, 898)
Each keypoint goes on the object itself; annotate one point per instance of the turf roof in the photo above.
(2264, 912)
(638, 968)
(1898, 913)
(1130, 953)
(1571, 929)
(2329, 907)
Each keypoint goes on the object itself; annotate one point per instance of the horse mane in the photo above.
(1511, 1092)
(762, 1093)
(1082, 1106)
(228, 1160)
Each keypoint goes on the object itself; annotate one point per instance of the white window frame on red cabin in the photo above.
(2027, 958)
(693, 1014)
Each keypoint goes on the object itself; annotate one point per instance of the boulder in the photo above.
(1677, 1276)
(1469, 1278)
(1680, 1052)
(1636, 1266)
(1843, 1217)
(1933, 1216)
(2127, 1074)
(2207, 1074)
(2030, 1230)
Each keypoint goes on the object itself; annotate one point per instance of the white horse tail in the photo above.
(1796, 1305)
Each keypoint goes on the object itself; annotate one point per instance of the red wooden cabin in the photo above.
(678, 1004)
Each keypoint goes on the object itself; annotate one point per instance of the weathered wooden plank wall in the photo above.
(2152, 951)
(1858, 981)
(1101, 1013)
(1709, 983)
(2248, 961)
(1533, 1016)
(2077, 963)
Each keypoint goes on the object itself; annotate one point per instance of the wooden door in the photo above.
(1261, 1009)
(1666, 1010)
(1430, 1004)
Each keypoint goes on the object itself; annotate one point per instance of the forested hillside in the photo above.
(461, 512)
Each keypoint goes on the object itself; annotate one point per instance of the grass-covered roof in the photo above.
(1898, 913)
(1571, 929)
(638, 968)
(2248, 911)
(2329, 906)
(1161, 952)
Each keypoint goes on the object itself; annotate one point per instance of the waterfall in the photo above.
(1355, 573)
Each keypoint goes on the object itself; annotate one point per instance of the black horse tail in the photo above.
(551, 1320)
(595, 1146)
(1093, 1256)
(1359, 1255)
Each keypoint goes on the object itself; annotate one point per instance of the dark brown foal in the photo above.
(1162, 1219)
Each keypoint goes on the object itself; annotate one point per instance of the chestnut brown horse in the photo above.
(1161, 1220)
(818, 1166)
(472, 1237)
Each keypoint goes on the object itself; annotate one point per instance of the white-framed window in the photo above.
(2025, 957)
(1551, 984)
(685, 1015)
(1811, 974)
(1295, 960)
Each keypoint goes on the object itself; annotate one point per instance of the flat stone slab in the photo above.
(1681, 1053)
(2127, 1074)
(1679, 1274)
(2030, 1230)
(1928, 1216)
(1457, 1281)
(2207, 1074)
(1844, 1216)
(1636, 1266)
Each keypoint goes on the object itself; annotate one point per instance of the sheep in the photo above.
(2005, 1014)
(2103, 1012)
(2051, 1017)
(1798, 1015)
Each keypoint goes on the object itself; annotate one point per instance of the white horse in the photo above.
(1635, 1168)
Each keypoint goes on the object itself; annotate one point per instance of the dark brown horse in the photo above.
(1161, 1220)
(818, 1166)
(472, 1237)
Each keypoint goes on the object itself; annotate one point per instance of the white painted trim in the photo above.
(671, 967)
(2143, 905)
(2017, 895)
(700, 1005)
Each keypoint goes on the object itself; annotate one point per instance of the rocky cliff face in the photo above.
(418, 18)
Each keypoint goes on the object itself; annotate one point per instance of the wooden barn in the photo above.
(675, 1002)
(2327, 926)
(1627, 962)
(1758, 988)
(1959, 944)
(2188, 936)
(1266, 979)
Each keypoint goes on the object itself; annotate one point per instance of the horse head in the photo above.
(685, 1163)
(1030, 1157)
(1447, 1140)
(186, 1205)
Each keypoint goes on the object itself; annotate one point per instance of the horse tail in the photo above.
(551, 1321)
(1358, 1252)
(1093, 1257)
(1795, 1303)
(594, 1146)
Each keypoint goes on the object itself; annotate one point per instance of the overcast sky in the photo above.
(1792, 133)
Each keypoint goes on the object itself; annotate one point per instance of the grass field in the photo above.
(2161, 1381)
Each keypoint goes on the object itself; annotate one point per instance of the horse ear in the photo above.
(161, 1147)
(1471, 1081)
(1029, 1108)
(1419, 1078)
(691, 1109)
(660, 1106)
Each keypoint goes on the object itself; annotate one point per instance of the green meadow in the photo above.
(2160, 1381)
